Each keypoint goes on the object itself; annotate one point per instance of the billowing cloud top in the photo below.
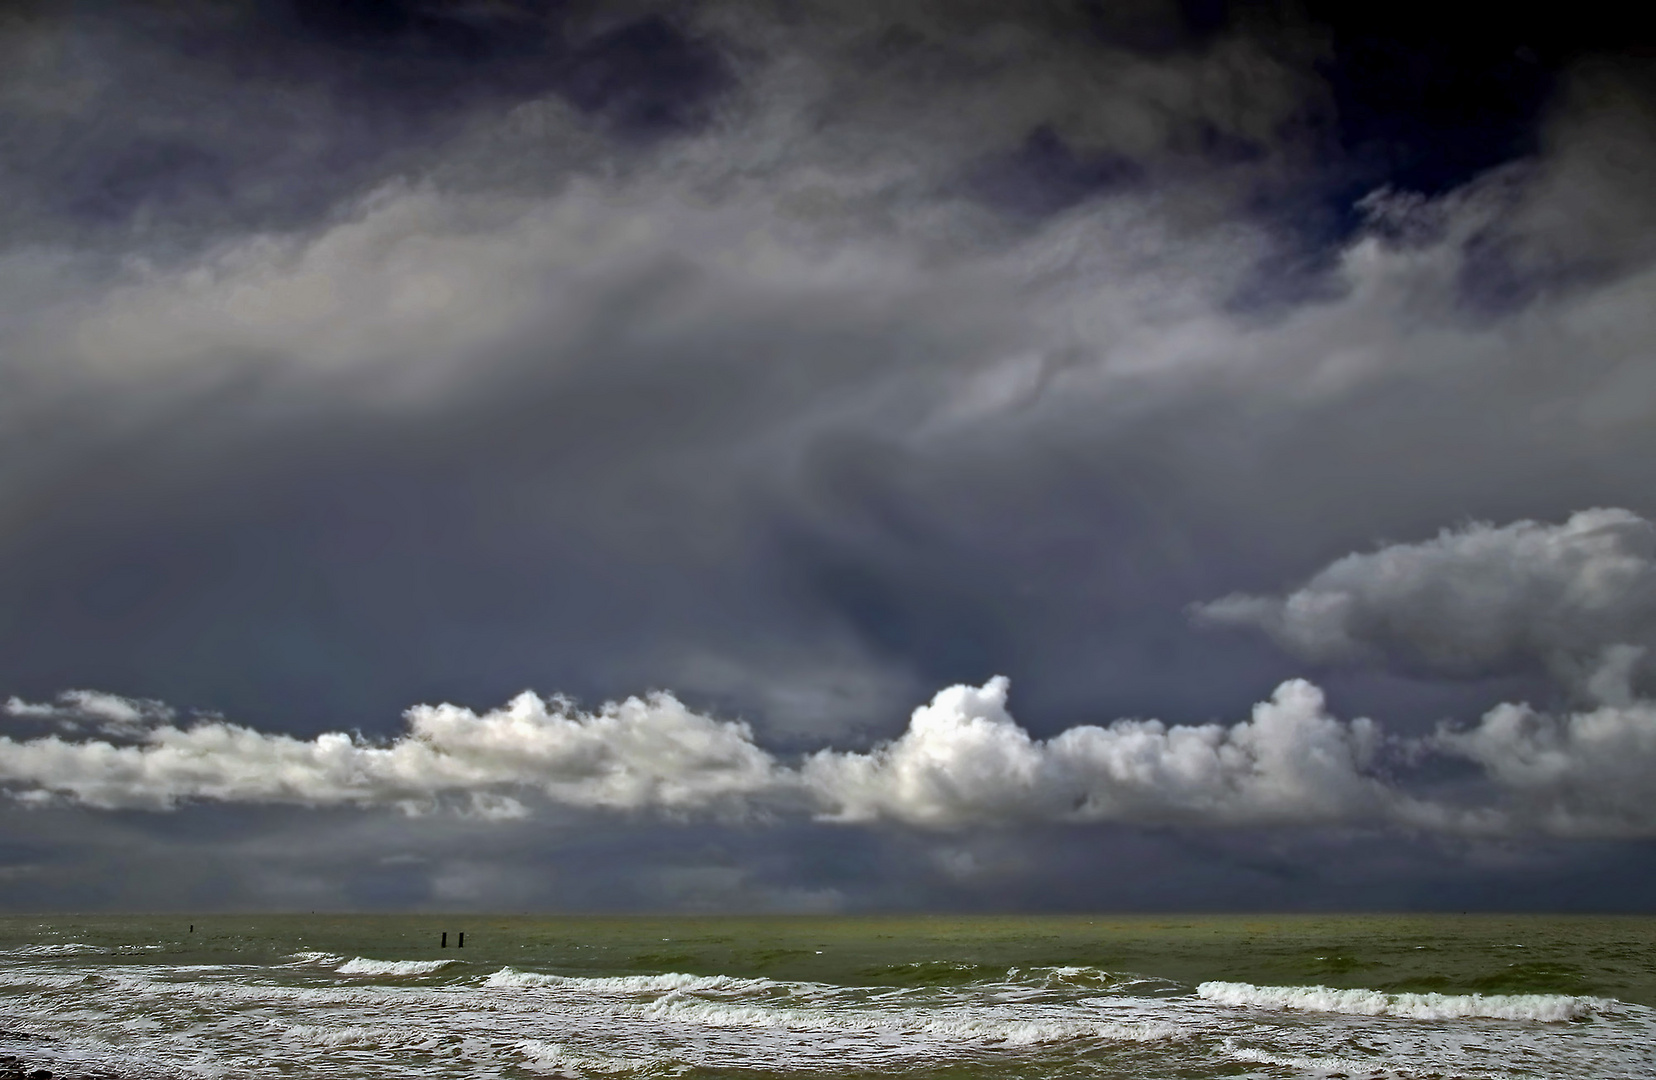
(636, 754)
(964, 760)
(1579, 597)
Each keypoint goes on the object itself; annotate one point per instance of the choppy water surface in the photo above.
(373, 997)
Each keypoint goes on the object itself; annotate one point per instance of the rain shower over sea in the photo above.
(1005, 997)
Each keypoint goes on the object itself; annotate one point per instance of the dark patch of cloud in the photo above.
(183, 121)
(147, 173)
(646, 77)
(1493, 280)
(403, 60)
(1045, 175)
(1157, 29)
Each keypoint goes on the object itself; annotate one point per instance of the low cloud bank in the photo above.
(963, 761)
(643, 753)
(1579, 597)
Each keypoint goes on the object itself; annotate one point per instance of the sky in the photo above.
(780, 455)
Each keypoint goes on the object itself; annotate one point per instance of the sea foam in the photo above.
(671, 982)
(1544, 1007)
(67, 948)
(321, 959)
(946, 1026)
(363, 966)
(322, 1035)
(546, 1056)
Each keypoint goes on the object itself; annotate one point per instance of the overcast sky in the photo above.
(797, 455)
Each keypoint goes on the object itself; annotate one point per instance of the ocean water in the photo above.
(368, 996)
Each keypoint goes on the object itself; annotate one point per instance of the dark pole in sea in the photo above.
(445, 939)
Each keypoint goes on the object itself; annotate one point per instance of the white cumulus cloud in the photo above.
(110, 713)
(649, 753)
(1578, 598)
(1585, 773)
(965, 760)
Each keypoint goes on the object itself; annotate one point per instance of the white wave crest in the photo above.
(363, 966)
(950, 1027)
(1075, 978)
(551, 1057)
(319, 959)
(1543, 1007)
(67, 948)
(318, 1035)
(671, 982)
(1308, 1065)
(1005, 1032)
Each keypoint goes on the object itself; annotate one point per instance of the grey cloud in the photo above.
(963, 761)
(183, 122)
(1584, 773)
(110, 713)
(1577, 597)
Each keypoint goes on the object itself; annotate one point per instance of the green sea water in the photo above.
(946, 996)
(1612, 956)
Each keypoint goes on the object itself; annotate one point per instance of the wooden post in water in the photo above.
(445, 939)
(462, 939)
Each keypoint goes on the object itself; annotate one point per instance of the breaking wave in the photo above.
(363, 966)
(67, 948)
(512, 978)
(1303, 1064)
(320, 1035)
(552, 1057)
(723, 1001)
(1542, 1007)
(945, 1026)
(1071, 978)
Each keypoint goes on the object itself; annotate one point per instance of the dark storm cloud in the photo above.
(186, 120)
(1045, 175)
(798, 359)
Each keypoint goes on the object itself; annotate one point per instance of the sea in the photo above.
(244, 996)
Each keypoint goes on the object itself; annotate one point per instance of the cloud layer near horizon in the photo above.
(962, 762)
(965, 761)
